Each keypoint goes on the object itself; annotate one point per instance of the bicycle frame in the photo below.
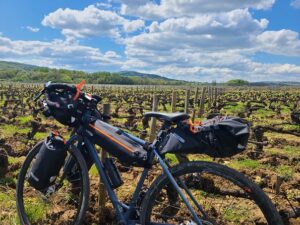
(124, 213)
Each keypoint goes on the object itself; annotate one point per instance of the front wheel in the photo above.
(218, 195)
(65, 203)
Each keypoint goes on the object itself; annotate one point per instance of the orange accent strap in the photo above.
(55, 133)
(78, 88)
(113, 139)
(192, 126)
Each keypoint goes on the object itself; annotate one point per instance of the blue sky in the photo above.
(199, 40)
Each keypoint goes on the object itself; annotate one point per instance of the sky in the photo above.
(194, 40)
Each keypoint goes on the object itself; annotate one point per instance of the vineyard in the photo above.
(272, 158)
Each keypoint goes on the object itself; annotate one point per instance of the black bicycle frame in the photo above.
(124, 213)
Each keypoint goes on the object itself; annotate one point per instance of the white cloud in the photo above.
(213, 33)
(131, 26)
(103, 5)
(33, 29)
(57, 53)
(177, 8)
(282, 42)
(295, 4)
(89, 22)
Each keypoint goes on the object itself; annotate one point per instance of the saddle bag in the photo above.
(48, 163)
(112, 140)
(218, 137)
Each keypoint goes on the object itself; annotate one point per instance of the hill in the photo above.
(15, 66)
(18, 72)
(143, 75)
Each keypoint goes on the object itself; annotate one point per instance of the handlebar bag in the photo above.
(112, 140)
(63, 108)
(218, 138)
(48, 162)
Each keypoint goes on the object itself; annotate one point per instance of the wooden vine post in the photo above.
(186, 101)
(153, 120)
(173, 102)
(279, 181)
(102, 191)
(195, 104)
(183, 158)
(216, 96)
(202, 102)
(209, 97)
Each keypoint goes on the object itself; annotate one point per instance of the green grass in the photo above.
(263, 113)
(8, 181)
(8, 213)
(234, 215)
(24, 119)
(10, 130)
(291, 151)
(234, 109)
(200, 157)
(285, 109)
(285, 171)
(292, 127)
(172, 158)
(41, 135)
(244, 164)
(93, 171)
(13, 160)
(35, 211)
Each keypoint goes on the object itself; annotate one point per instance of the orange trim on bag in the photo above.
(192, 126)
(56, 134)
(113, 139)
(78, 88)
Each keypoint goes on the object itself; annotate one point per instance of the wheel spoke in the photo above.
(220, 196)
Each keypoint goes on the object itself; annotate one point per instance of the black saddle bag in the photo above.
(219, 137)
(48, 163)
(112, 140)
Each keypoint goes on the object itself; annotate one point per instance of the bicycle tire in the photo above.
(74, 152)
(258, 196)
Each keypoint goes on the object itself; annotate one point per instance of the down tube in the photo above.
(104, 179)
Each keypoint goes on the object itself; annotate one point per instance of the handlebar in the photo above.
(66, 87)
(49, 87)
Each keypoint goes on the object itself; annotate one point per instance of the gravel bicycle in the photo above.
(195, 192)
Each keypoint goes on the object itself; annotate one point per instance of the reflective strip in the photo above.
(113, 139)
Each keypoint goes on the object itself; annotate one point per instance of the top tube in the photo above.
(134, 138)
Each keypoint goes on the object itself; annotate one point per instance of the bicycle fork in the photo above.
(176, 186)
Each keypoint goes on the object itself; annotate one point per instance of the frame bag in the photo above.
(219, 137)
(112, 140)
(49, 161)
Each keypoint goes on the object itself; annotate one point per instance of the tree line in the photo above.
(43, 74)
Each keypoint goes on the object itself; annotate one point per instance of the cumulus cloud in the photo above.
(177, 8)
(33, 29)
(57, 53)
(295, 4)
(90, 22)
(186, 40)
(282, 42)
(234, 29)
